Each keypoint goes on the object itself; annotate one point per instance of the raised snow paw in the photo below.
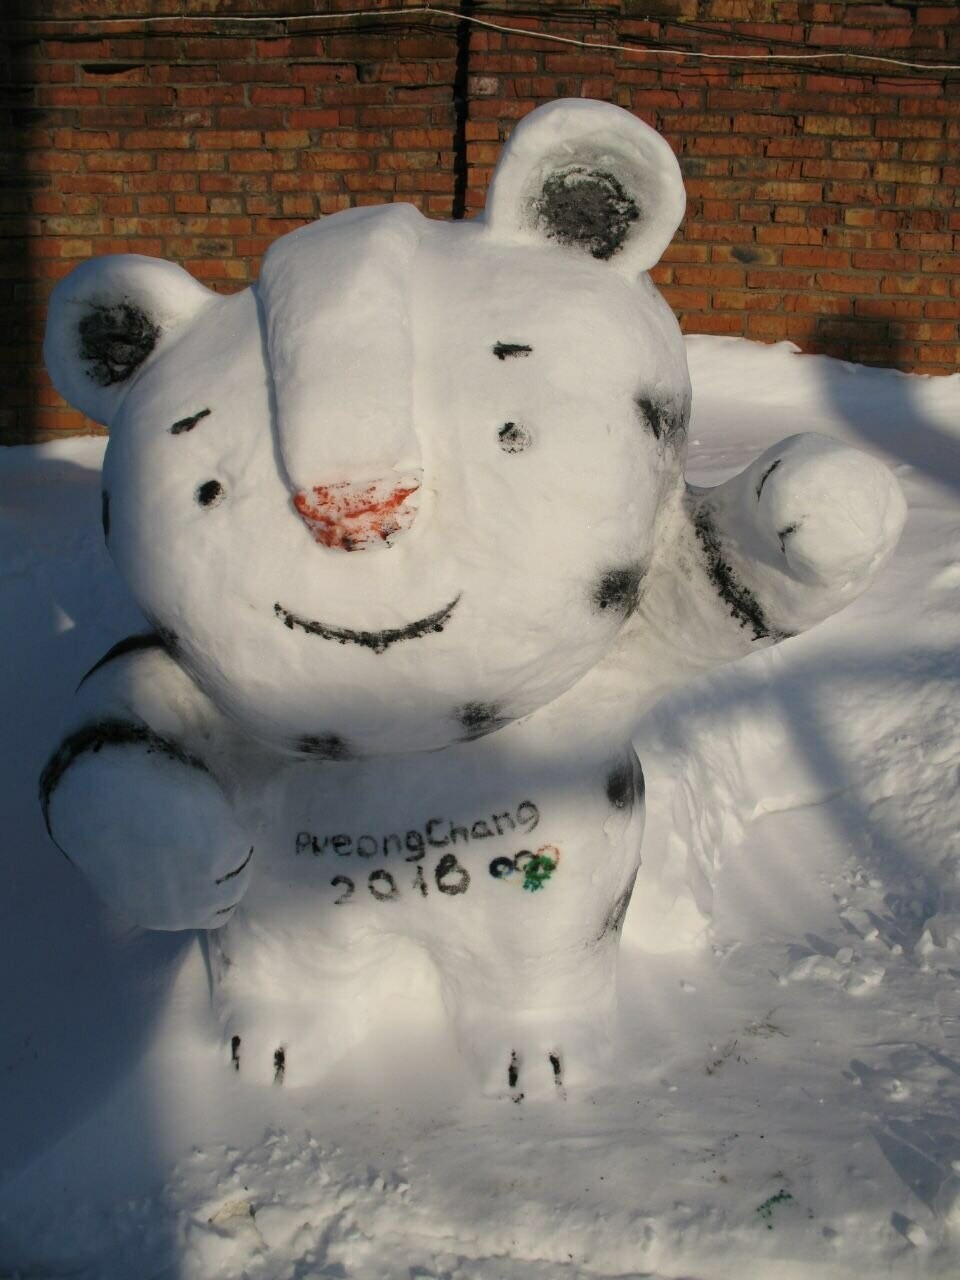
(798, 534)
(832, 513)
(148, 824)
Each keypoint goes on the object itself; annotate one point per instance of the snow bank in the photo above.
(786, 1095)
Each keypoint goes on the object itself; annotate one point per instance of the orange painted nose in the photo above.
(352, 516)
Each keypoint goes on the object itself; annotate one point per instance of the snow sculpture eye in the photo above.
(210, 494)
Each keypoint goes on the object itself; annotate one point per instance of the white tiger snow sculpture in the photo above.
(409, 523)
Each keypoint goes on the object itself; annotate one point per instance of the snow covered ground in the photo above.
(786, 1097)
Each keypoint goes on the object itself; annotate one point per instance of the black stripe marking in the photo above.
(187, 424)
(105, 513)
(744, 605)
(236, 871)
(105, 733)
(378, 641)
(784, 534)
(148, 640)
(325, 746)
(504, 349)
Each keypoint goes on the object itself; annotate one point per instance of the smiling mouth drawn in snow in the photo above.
(378, 641)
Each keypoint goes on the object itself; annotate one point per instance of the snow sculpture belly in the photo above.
(409, 524)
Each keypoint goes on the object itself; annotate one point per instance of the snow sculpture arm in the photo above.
(136, 794)
(768, 554)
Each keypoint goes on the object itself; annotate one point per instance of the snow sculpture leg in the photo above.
(509, 864)
(135, 805)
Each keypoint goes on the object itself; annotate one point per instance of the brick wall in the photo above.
(823, 201)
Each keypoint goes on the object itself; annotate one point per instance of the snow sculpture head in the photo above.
(405, 489)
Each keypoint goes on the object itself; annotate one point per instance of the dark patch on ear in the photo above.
(479, 718)
(210, 493)
(106, 733)
(325, 746)
(504, 349)
(625, 785)
(588, 208)
(115, 341)
(131, 644)
(618, 591)
(514, 437)
(187, 424)
(767, 474)
(743, 604)
(105, 513)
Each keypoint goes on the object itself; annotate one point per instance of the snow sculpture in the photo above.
(425, 742)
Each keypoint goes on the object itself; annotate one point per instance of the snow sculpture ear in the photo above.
(105, 320)
(592, 176)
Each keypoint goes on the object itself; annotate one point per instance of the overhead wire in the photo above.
(590, 45)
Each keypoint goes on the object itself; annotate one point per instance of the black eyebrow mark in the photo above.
(504, 349)
(187, 424)
(378, 641)
(766, 475)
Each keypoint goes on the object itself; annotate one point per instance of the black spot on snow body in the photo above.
(325, 746)
(480, 718)
(187, 424)
(504, 349)
(105, 513)
(378, 641)
(514, 438)
(625, 785)
(588, 208)
(618, 591)
(130, 644)
(513, 1070)
(115, 341)
(106, 733)
(235, 1043)
(664, 420)
(279, 1065)
(784, 534)
(557, 1068)
(767, 474)
(210, 493)
(743, 604)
